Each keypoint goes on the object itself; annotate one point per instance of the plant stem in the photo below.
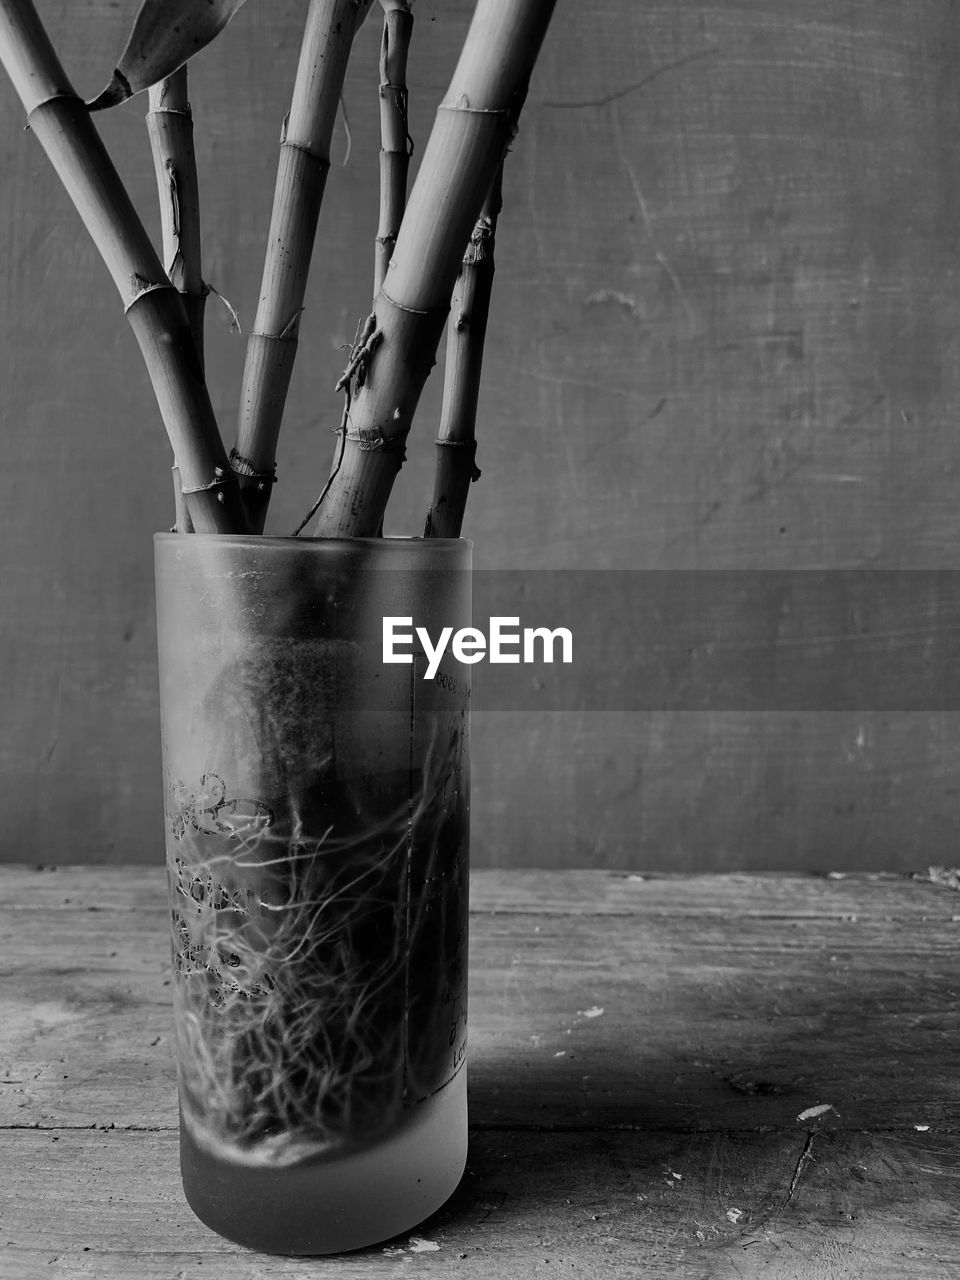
(170, 129)
(62, 125)
(466, 330)
(473, 128)
(301, 178)
(395, 145)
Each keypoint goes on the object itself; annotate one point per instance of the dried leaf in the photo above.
(166, 33)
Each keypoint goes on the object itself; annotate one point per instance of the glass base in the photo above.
(332, 1205)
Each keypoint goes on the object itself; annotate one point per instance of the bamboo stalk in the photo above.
(301, 178)
(62, 125)
(473, 128)
(456, 442)
(170, 129)
(395, 144)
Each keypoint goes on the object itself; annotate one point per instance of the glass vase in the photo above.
(316, 808)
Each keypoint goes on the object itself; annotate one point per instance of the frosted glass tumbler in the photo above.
(316, 808)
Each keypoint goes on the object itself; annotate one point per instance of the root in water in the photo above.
(320, 977)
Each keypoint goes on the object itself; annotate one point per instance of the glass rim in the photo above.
(397, 542)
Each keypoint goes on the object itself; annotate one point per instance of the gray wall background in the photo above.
(724, 335)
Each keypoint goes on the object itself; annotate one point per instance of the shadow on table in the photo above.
(614, 1111)
(723, 1090)
(569, 1175)
(748, 1053)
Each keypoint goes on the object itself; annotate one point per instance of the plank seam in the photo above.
(482, 1127)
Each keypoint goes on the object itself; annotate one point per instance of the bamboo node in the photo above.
(411, 311)
(446, 443)
(263, 336)
(64, 96)
(218, 483)
(321, 161)
(401, 101)
(171, 111)
(372, 440)
(141, 287)
(243, 466)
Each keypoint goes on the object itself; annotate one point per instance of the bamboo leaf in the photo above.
(166, 33)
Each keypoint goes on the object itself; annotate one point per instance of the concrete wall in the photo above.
(724, 335)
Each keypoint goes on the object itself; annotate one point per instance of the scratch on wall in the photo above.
(647, 223)
(616, 94)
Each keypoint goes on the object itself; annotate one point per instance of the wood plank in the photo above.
(644, 1056)
(728, 896)
(648, 1205)
(839, 895)
(709, 1019)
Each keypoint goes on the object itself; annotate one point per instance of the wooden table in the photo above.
(705, 1077)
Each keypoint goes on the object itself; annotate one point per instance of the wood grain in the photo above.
(645, 1053)
(658, 1205)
